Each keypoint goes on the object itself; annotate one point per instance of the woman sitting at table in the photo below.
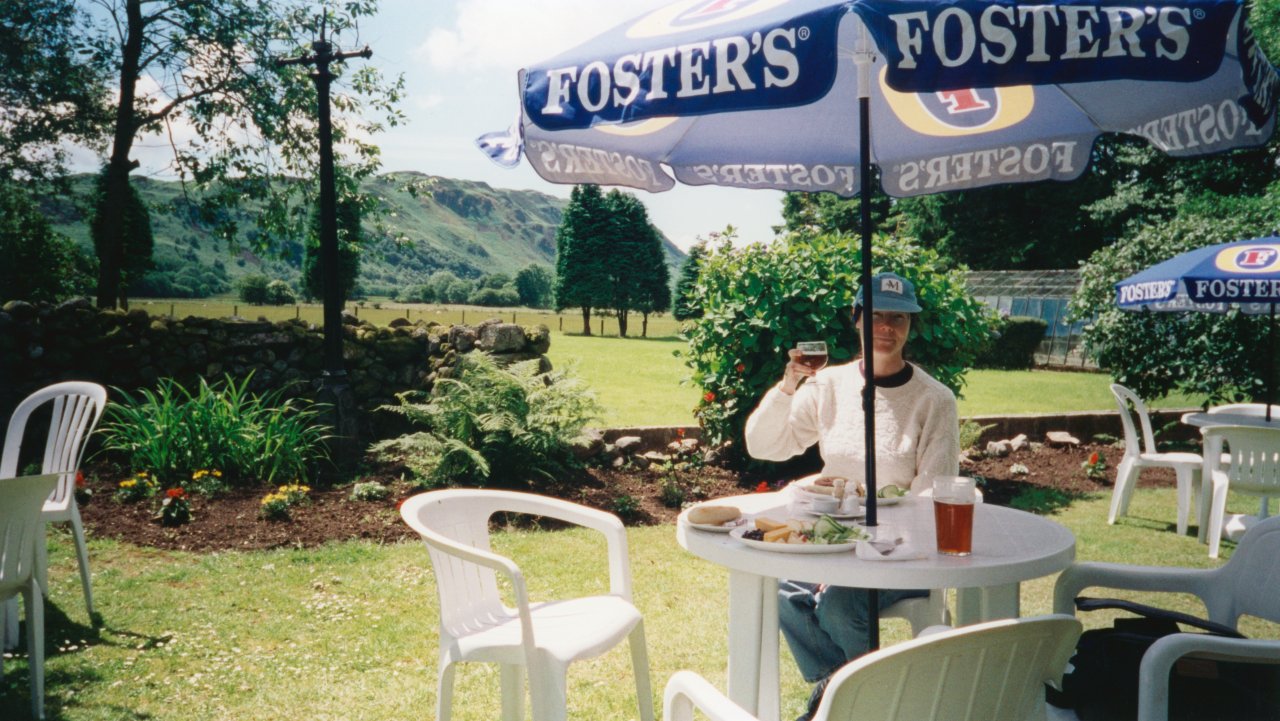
(917, 436)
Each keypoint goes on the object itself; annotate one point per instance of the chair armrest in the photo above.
(1153, 674)
(687, 690)
(1080, 576)
(606, 524)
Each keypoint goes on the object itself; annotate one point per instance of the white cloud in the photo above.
(509, 35)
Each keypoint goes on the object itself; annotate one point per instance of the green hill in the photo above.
(465, 227)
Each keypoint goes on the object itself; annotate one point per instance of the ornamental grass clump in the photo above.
(173, 433)
(490, 425)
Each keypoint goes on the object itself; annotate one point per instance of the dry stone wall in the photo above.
(42, 344)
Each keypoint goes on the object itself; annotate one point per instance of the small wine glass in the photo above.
(813, 353)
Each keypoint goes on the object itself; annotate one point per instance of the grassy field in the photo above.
(348, 631)
(639, 380)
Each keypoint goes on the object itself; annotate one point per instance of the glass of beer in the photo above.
(813, 353)
(953, 499)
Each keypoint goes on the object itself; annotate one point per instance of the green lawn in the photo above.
(638, 381)
(348, 631)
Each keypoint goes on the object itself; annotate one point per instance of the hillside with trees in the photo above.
(426, 232)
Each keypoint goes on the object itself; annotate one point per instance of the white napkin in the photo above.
(885, 551)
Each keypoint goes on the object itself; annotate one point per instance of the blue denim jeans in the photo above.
(828, 629)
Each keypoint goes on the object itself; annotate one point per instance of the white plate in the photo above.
(802, 485)
(721, 528)
(862, 511)
(791, 547)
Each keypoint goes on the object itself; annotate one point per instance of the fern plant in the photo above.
(490, 425)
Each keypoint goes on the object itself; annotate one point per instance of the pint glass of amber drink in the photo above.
(953, 498)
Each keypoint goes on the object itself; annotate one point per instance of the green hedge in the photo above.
(1013, 347)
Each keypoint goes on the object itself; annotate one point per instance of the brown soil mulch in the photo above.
(231, 521)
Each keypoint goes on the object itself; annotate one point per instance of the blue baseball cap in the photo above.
(891, 292)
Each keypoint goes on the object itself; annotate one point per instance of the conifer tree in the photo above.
(582, 254)
(686, 303)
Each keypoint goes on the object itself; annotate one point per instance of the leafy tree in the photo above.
(655, 291)
(533, 283)
(1220, 356)
(39, 264)
(350, 239)
(686, 302)
(495, 297)
(830, 213)
(134, 232)
(279, 293)
(760, 300)
(253, 289)
(582, 254)
(635, 258)
(211, 65)
(52, 88)
(495, 281)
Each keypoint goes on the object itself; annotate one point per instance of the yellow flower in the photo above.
(128, 484)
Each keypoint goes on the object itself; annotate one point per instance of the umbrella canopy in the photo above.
(1244, 276)
(963, 94)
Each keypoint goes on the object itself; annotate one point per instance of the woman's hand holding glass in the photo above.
(805, 360)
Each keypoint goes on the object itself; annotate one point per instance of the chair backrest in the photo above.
(1248, 580)
(468, 591)
(1124, 397)
(76, 408)
(991, 671)
(21, 527)
(1255, 457)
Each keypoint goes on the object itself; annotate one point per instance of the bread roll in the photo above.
(768, 524)
(713, 515)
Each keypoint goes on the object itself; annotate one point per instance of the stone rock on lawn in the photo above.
(1019, 442)
(588, 445)
(1061, 438)
(501, 338)
(656, 457)
(628, 444)
(999, 449)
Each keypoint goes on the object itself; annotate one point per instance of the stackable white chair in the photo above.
(1141, 453)
(991, 671)
(1254, 469)
(541, 639)
(1258, 410)
(1244, 585)
(75, 408)
(21, 531)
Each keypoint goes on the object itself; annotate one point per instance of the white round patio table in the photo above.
(1009, 546)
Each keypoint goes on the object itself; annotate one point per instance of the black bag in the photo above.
(1103, 682)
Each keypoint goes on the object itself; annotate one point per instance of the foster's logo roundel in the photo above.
(968, 111)
(695, 14)
(1249, 259)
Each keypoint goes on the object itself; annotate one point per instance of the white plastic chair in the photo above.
(1258, 410)
(21, 532)
(540, 638)
(1254, 470)
(1186, 466)
(76, 407)
(992, 671)
(1245, 584)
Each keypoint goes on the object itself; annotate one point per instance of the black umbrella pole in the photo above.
(868, 361)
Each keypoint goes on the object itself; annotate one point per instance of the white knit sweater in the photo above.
(917, 427)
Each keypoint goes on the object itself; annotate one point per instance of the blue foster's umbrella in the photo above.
(1243, 276)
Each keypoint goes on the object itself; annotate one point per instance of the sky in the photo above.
(459, 59)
